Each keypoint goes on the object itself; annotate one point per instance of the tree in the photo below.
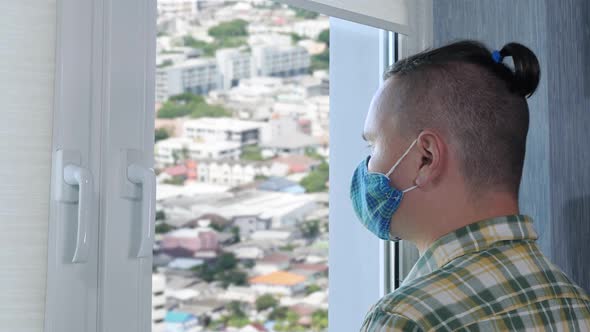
(305, 14)
(253, 153)
(321, 61)
(226, 261)
(163, 228)
(166, 63)
(233, 277)
(186, 104)
(236, 232)
(160, 215)
(278, 313)
(295, 37)
(312, 289)
(316, 180)
(233, 28)
(175, 180)
(160, 134)
(236, 317)
(324, 37)
(266, 301)
(310, 229)
(319, 320)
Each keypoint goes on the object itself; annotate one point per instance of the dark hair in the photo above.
(477, 102)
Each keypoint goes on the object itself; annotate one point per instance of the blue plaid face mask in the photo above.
(374, 200)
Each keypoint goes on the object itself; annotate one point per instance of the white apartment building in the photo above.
(310, 28)
(280, 61)
(235, 172)
(169, 151)
(234, 65)
(182, 8)
(198, 76)
(223, 129)
(158, 302)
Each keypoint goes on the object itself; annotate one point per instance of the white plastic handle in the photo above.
(147, 179)
(79, 176)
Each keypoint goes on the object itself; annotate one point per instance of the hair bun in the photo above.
(527, 72)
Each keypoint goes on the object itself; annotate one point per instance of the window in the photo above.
(249, 264)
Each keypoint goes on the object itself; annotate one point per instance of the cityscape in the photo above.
(241, 157)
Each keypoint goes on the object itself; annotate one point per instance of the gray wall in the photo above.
(555, 189)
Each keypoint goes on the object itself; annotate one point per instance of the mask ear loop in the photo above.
(399, 161)
(401, 158)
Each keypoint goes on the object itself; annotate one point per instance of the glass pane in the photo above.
(241, 155)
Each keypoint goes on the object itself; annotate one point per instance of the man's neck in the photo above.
(495, 206)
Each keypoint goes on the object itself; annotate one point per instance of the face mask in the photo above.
(374, 200)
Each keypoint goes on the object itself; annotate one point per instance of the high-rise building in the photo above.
(198, 76)
(234, 65)
(280, 61)
(177, 8)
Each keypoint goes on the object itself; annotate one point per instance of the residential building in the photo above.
(250, 224)
(280, 61)
(288, 144)
(284, 137)
(186, 242)
(272, 262)
(172, 150)
(283, 209)
(278, 282)
(311, 28)
(158, 302)
(198, 76)
(281, 184)
(184, 263)
(177, 8)
(234, 65)
(298, 163)
(236, 172)
(223, 129)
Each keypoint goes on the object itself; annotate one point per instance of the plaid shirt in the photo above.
(487, 276)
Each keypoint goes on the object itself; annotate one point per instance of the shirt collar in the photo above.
(474, 237)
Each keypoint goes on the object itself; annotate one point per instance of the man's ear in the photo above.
(433, 151)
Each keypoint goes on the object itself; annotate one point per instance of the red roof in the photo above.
(310, 267)
(178, 170)
(276, 258)
(258, 327)
(298, 163)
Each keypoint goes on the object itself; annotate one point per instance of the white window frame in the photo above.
(104, 97)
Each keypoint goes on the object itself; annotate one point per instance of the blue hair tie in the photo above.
(497, 56)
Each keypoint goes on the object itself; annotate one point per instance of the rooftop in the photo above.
(222, 124)
(278, 278)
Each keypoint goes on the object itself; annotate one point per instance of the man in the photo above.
(447, 131)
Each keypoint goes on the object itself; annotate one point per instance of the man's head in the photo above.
(470, 116)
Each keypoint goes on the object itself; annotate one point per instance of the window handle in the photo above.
(145, 177)
(82, 178)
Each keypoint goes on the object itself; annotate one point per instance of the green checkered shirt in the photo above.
(487, 276)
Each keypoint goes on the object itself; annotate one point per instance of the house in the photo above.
(312, 271)
(172, 150)
(177, 321)
(186, 242)
(278, 282)
(271, 263)
(281, 185)
(298, 163)
(183, 263)
(232, 172)
(223, 130)
(250, 224)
